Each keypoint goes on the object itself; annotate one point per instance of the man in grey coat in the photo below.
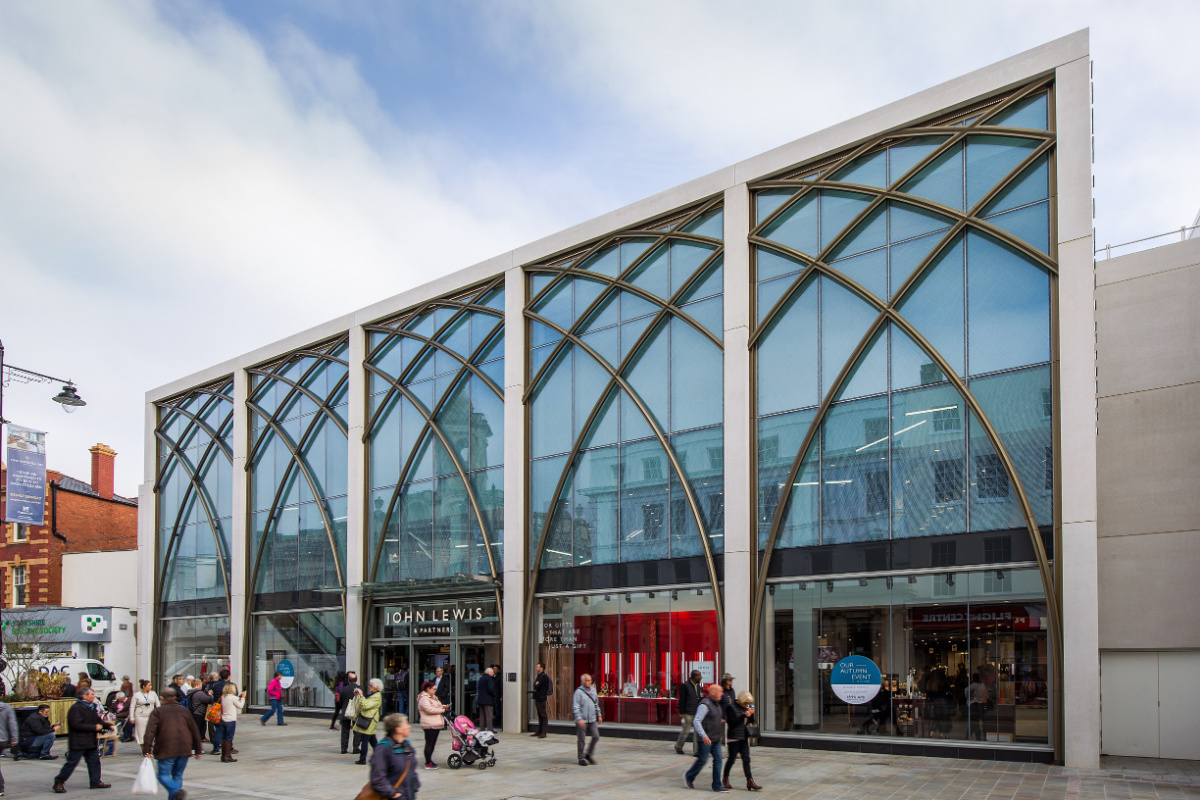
(9, 732)
(585, 708)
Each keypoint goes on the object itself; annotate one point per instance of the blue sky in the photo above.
(181, 182)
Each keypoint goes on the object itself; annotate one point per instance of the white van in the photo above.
(104, 681)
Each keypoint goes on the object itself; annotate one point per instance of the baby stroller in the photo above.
(470, 745)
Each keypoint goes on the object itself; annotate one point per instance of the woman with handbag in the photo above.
(367, 707)
(739, 715)
(432, 720)
(144, 701)
(392, 773)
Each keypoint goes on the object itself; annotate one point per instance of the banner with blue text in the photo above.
(26, 484)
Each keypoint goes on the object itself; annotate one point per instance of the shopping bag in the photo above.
(146, 781)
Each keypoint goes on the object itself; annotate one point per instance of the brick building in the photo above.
(80, 517)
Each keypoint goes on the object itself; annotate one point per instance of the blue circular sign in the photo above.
(287, 673)
(855, 679)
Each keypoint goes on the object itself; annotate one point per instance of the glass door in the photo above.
(426, 660)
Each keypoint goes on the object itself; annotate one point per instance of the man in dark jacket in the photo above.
(688, 695)
(171, 738)
(485, 697)
(347, 696)
(541, 692)
(37, 735)
(83, 723)
(442, 681)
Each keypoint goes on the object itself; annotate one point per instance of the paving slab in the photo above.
(300, 761)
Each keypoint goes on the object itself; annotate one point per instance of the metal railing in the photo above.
(1184, 233)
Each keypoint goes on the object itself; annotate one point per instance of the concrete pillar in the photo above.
(740, 528)
(239, 535)
(356, 499)
(515, 646)
(1077, 561)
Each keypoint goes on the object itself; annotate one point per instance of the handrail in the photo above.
(1185, 232)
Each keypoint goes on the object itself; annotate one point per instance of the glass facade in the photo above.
(900, 479)
(626, 397)
(904, 421)
(298, 486)
(313, 641)
(194, 491)
(435, 377)
(963, 655)
(637, 646)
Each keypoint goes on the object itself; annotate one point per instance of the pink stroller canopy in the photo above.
(463, 725)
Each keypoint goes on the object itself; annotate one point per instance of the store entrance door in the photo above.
(473, 659)
(426, 660)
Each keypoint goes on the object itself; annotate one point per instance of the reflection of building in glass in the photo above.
(832, 401)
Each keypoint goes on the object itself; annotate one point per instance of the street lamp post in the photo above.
(69, 399)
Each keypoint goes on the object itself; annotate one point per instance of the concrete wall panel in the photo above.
(1149, 447)
(1150, 593)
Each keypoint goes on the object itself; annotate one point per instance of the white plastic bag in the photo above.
(146, 781)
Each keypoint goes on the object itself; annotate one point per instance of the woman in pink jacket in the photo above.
(432, 720)
(275, 695)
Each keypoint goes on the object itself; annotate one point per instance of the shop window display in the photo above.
(637, 646)
(963, 655)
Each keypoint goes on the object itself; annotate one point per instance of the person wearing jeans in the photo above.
(172, 738)
(709, 722)
(37, 735)
(275, 695)
(585, 708)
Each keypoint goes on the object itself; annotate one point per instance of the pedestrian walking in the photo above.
(738, 714)
(485, 698)
(585, 708)
(392, 764)
(213, 687)
(37, 735)
(338, 681)
(275, 695)
(432, 721)
(231, 704)
(171, 738)
(145, 700)
(365, 723)
(708, 724)
(688, 696)
(347, 697)
(199, 702)
(542, 687)
(9, 732)
(83, 725)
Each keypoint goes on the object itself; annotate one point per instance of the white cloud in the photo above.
(170, 199)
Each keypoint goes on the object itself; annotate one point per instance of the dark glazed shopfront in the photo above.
(410, 641)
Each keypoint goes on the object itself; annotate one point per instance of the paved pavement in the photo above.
(301, 762)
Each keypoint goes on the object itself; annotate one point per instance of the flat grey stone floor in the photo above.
(301, 762)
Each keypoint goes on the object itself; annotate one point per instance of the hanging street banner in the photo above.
(26, 454)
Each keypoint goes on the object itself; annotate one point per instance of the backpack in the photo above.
(213, 714)
(185, 701)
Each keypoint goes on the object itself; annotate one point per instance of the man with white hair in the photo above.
(485, 698)
(368, 707)
(585, 708)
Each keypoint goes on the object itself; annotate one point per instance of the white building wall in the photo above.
(100, 579)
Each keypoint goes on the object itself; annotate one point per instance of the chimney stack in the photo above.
(102, 470)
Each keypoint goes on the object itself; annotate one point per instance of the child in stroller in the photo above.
(470, 745)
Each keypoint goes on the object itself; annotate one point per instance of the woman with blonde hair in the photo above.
(231, 704)
(393, 773)
(738, 715)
